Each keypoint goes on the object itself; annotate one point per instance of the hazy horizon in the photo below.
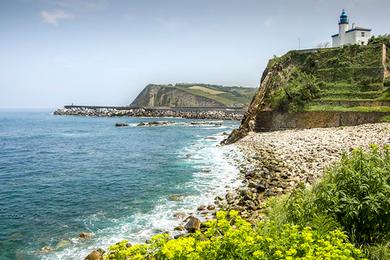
(102, 52)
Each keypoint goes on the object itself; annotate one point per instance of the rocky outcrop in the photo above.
(156, 123)
(257, 104)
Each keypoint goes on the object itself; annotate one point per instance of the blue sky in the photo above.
(103, 52)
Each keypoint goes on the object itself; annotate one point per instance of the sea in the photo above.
(63, 175)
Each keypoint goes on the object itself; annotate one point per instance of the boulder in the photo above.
(62, 244)
(175, 197)
(257, 186)
(94, 255)
(229, 197)
(211, 207)
(85, 235)
(201, 207)
(121, 124)
(193, 224)
(46, 249)
(179, 215)
(179, 228)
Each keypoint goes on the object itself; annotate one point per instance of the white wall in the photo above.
(336, 41)
(342, 29)
(353, 37)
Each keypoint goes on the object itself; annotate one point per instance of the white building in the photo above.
(347, 35)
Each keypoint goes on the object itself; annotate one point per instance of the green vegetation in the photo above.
(332, 74)
(385, 119)
(380, 39)
(186, 93)
(346, 210)
(353, 195)
(230, 237)
(300, 89)
(323, 107)
(229, 96)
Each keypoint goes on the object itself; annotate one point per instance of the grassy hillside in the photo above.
(199, 95)
(347, 76)
(229, 96)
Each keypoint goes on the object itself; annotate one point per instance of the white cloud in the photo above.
(54, 16)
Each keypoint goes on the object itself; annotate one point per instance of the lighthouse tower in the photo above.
(347, 35)
(343, 27)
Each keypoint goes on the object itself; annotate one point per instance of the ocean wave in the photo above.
(215, 174)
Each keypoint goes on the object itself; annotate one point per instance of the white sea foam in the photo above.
(216, 173)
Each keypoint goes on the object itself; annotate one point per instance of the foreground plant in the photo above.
(354, 195)
(231, 237)
(350, 203)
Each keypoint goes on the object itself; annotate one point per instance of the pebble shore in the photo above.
(276, 162)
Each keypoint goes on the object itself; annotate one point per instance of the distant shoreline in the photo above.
(218, 113)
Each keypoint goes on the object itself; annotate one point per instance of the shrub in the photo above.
(300, 89)
(231, 237)
(356, 193)
(380, 39)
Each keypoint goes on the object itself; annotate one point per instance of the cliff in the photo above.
(320, 88)
(193, 95)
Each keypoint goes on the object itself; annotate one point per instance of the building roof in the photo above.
(358, 29)
(334, 35)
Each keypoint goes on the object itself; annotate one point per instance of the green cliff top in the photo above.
(350, 78)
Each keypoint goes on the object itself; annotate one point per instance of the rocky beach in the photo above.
(274, 163)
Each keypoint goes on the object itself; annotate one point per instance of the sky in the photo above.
(104, 52)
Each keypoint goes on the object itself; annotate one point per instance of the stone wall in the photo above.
(273, 120)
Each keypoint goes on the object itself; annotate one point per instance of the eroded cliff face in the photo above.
(165, 96)
(272, 79)
(340, 75)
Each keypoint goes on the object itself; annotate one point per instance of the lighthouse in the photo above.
(350, 35)
(343, 26)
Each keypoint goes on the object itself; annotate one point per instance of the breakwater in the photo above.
(219, 113)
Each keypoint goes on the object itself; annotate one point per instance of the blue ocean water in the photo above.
(60, 176)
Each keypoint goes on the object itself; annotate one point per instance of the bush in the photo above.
(230, 237)
(380, 39)
(357, 194)
(354, 195)
(300, 89)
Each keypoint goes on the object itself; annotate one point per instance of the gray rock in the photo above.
(85, 235)
(94, 255)
(121, 124)
(193, 224)
(201, 207)
(175, 197)
(179, 215)
(211, 207)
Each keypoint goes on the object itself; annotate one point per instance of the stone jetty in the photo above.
(185, 112)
